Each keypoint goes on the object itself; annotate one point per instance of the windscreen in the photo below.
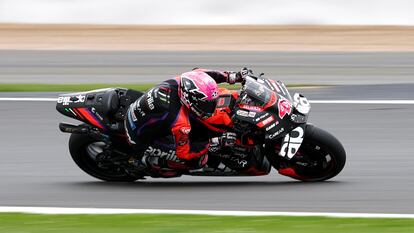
(258, 92)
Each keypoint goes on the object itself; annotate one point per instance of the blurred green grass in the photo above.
(22, 223)
(36, 87)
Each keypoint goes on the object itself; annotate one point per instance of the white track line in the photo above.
(311, 101)
(361, 101)
(57, 210)
(30, 99)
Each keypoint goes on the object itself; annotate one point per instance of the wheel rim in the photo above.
(315, 161)
(312, 162)
(93, 151)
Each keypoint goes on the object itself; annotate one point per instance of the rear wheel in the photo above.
(84, 151)
(320, 157)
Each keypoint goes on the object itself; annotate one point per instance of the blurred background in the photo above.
(128, 41)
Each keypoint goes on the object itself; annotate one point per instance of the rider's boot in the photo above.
(139, 163)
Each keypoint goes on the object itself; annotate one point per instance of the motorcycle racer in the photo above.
(166, 111)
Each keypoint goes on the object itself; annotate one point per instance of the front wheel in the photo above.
(84, 151)
(320, 157)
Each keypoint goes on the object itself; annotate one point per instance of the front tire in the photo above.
(320, 157)
(82, 148)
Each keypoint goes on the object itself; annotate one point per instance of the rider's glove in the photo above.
(238, 77)
(232, 77)
(228, 139)
(245, 72)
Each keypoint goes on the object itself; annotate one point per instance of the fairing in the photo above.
(268, 105)
(101, 108)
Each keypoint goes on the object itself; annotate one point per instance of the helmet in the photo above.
(198, 92)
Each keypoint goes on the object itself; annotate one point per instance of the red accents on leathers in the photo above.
(181, 130)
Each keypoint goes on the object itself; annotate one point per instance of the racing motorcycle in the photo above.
(271, 129)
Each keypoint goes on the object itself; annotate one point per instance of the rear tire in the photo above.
(80, 147)
(321, 151)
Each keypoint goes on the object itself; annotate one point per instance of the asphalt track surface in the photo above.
(36, 169)
(152, 67)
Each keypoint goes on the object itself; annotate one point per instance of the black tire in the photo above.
(78, 147)
(320, 148)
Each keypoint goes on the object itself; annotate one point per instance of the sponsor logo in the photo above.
(261, 117)
(98, 115)
(80, 99)
(252, 114)
(284, 107)
(64, 100)
(277, 133)
(150, 99)
(242, 113)
(151, 151)
(268, 120)
(241, 162)
(251, 108)
(163, 97)
(245, 113)
(265, 122)
(185, 130)
(271, 126)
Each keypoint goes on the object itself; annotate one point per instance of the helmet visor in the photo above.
(206, 107)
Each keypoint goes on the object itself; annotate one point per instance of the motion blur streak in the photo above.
(354, 12)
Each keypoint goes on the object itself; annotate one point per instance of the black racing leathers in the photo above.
(159, 114)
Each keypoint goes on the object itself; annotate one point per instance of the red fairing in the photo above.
(253, 171)
(289, 172)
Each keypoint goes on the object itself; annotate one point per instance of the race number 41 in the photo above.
(291, 142)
